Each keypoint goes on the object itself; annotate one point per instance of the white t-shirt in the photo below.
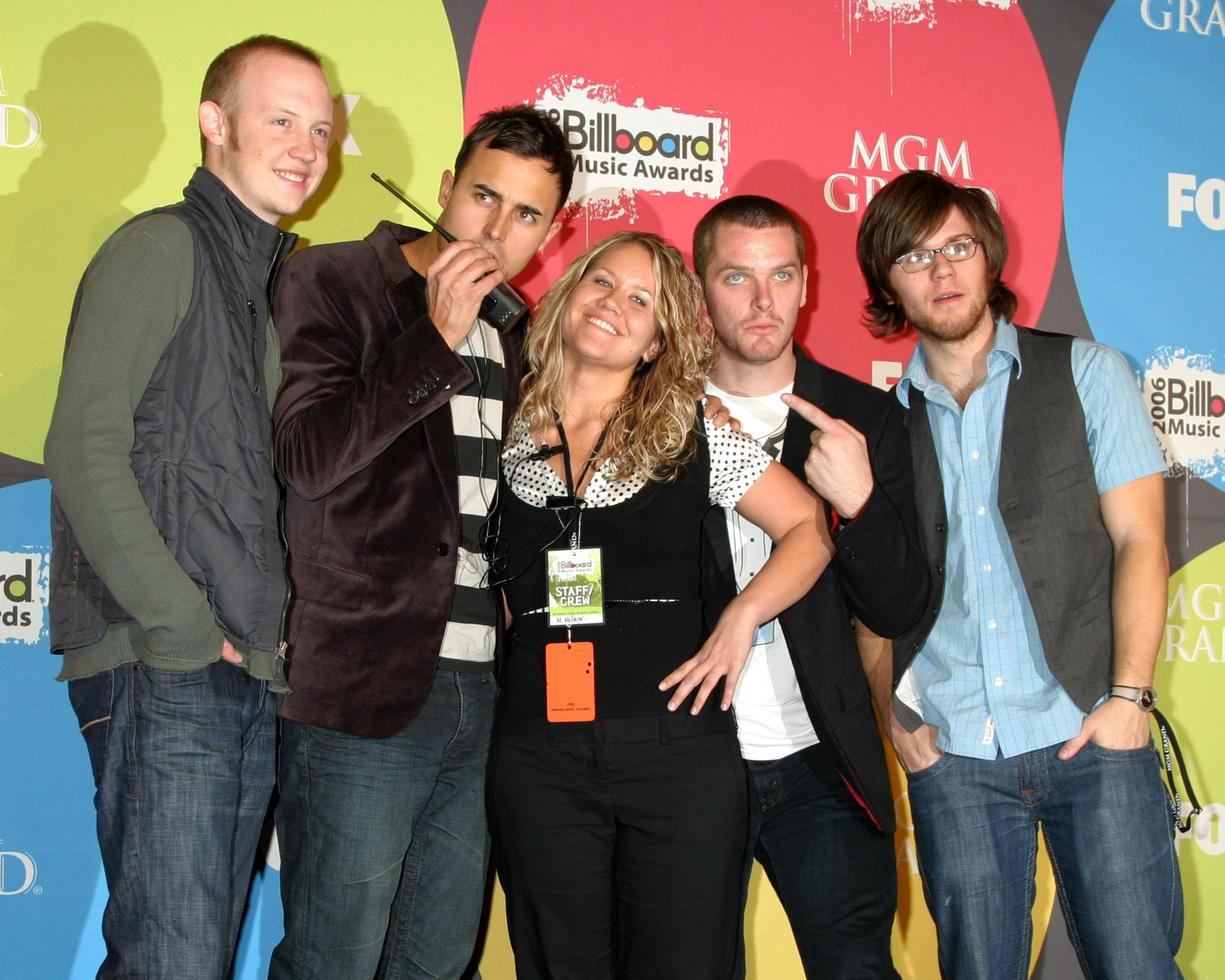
(771, 719)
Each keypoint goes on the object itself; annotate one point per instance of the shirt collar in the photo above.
(1005, 353)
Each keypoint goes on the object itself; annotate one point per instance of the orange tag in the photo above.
(569, 671)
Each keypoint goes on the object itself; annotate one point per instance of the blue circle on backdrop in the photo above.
(1148, 249)
(52, 888)
(48, 850)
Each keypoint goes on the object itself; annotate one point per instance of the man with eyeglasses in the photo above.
(1022, 696)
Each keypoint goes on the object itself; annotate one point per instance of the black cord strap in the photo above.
(1169, 742)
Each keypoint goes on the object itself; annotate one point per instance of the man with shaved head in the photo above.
(821, 810)
(168, 588)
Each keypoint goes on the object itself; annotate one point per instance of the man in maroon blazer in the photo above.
(388, 430)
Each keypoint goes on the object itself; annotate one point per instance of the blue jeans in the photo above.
(834, 871)
(384, 849)
(183, 763)
(1109, 833)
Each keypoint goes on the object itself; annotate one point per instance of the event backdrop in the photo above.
(1098, 127)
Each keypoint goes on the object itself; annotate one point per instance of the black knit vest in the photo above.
(1049, 503)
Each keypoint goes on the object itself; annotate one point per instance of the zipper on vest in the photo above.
(273, 265)
(282, 645)
(259, 368)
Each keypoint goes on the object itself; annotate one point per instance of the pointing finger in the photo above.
(807, 410)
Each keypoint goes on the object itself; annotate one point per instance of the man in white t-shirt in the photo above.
(822, 817)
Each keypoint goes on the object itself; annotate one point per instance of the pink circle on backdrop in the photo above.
(960, 88)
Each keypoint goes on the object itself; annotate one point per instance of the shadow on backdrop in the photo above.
(100, 130)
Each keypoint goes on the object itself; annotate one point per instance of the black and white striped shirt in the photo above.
(476, 416)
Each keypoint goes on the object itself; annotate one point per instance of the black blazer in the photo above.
(878, 574)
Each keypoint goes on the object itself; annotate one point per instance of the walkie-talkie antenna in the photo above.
(404, 200)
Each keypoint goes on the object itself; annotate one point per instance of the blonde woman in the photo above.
(618, 794)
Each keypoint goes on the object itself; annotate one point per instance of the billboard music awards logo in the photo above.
(19, 125)
(23, 596)
(1186, 402)
(619, 149)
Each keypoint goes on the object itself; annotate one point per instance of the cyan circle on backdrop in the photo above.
(48, 851)
(1144, 193)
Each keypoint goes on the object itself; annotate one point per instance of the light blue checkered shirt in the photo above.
(981, 676)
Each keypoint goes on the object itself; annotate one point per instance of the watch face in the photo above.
(1147, 699)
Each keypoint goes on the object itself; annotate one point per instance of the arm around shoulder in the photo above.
(791, 514)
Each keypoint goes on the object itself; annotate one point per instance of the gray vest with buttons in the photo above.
(1048, 499)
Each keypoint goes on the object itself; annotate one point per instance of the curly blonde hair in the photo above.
(652, 429)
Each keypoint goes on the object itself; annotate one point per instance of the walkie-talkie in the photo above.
(502, 306)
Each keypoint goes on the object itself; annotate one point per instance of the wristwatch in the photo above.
(1144, 698)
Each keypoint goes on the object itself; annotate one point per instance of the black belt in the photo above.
(659, 728)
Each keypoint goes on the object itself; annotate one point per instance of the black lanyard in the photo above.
(573, 501)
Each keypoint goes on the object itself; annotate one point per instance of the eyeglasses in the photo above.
(922, 258)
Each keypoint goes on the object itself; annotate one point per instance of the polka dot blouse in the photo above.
(736, 463)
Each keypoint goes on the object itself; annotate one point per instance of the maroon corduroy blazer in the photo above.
(365, 447)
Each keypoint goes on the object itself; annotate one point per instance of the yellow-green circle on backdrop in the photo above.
(99, 123)
(1190, 668)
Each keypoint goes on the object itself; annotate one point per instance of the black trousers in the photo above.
(620, 846)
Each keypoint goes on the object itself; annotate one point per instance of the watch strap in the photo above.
(1144, 698)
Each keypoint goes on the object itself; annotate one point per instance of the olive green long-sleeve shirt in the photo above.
(133, 297)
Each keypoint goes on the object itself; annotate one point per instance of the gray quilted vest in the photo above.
(203, 439)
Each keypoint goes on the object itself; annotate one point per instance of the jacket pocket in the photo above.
(76, 607)
(327, 584)
(1091, 609)
(1071, 476)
